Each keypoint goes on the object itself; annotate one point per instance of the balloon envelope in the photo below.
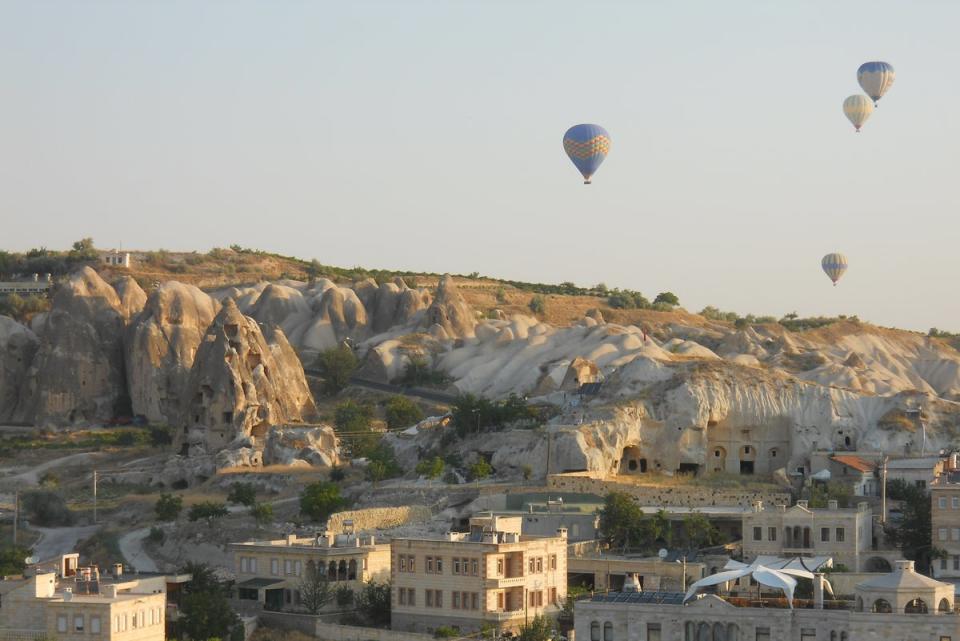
(587, 146)
(857, 109)
(876, 78)
(834, 265)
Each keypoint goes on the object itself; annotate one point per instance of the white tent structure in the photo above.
(770, 571)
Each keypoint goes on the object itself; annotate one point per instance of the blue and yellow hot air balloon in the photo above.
(587, 146)
(875, 78)
(834, 265)
(857, 109)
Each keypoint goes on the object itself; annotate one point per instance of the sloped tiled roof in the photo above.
(856, 462)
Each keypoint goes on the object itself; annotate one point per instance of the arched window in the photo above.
(704, 632)
(833, 635)
(607, 631)
(342, 571)
(690, 631)
(594, 631)
(733, 632)
(882, 606)
(719, 632)
(917, 606)
(352, 570)
(859, 604)
(332, 571)
(843, 636)
(944, 606)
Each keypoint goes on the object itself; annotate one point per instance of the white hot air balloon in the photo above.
(834, 265)
(857, 109)
(876, 78)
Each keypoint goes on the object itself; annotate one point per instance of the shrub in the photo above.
(431, 468)
(242, 494)
(445, 632)
(161, 435)
(262, 513)
(373, 604)
(419, 372)
(402, 412)
(319, 500)
(527, 472)
(168, 507)
(12, 559)
(337, 474)
(209, 510)
(667, 298)
(351, 416)
(46, 509)
(538, 305)
(627, 299)
(480, 470)
(501, 295)
(338, 365)
(156, 535)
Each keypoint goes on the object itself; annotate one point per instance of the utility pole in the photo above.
(549, 444)
(16, 514)
(883, 489)
(94, 497)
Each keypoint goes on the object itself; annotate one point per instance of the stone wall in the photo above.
(315, 627)
(666, 495)
(379, 518)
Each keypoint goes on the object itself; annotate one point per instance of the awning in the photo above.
(259, 584)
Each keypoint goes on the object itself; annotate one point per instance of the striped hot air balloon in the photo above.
(834, 265)
(875, 78)
(587, 146)
(857, 109)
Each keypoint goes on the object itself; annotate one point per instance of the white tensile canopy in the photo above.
(770, 571)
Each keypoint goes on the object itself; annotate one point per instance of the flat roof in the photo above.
(659, 598)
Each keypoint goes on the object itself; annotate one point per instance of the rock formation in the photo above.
(160, 346)
(132, 297)
(449, 311)
(240, 385)
(17, 348)
(77, 374)
(316, 446)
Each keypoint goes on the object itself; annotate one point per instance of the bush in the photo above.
(451, 478)
(262, 513)
(419, 372)
(667, 298)
(402, 412)
(343, 596)
(430, 468)
(351, 416)
(473, 414)
(46, 509)
(538, 305)
(12, 559)
(156, 535)
(319, 500)
(209, 510)
(168, 507)
(445, 632)
(338, 365)
(161, 435)
(373, 604)
(480, 470)
(337, 474)
(383, 463)
(627, 299)
(242, 494)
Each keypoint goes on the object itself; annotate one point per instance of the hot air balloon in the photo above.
(587, 146)
(834, 265)
(875, 78)
(857, 109)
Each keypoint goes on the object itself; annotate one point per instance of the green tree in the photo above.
(46, 509)
(262, 513)
(822, 493)
(343, 596)
(320, 499)
(621, 520)
(210, 510)
(667, 298)
(315, 590)
(445, 632)
(168, 507)
(700, 532)
(480, 470)
(351, 416)
(242, 494)
(373, 604)
(501, 295)
(400, 412)
(538, 304)
(338, 365)
(13, 559)
(539, 629)
(83, 245)
(205, 612)
(431, 468)
(913, 533)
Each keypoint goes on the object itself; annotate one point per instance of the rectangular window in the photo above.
(808, 634)
(78, 623)
(456, 600)
(762, 634)
(532, 564)
(244, 565)
(955, 502)
(61, 623)
(94, 625)
(456, 566)
(942, 503)
(297, 567)
(439, 563)
(428, 566)
(840, 535)
(772, 533)
(474, 567)
(474, 601)
(403, 563)
(653, 632)
(499, 567)
(500, 601)
(411, 563)
(956, 562)
(553, 596)
(955, 533)
(429, 598)
(411, 596)
(824, 534)
(403, 596)
(275, 567)
(553, 561)
(438, 598)
(758, 534)
(943, 564)
(943, 638)
(539, 564)
(942, 534)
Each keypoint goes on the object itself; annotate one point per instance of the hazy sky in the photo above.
(427, 136)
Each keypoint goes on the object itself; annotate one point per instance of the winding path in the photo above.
(131, 546)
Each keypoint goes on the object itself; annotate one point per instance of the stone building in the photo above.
(73, 603)
(900, 606)
(920, 471)
(747, 450)
(846, 534)
(945, 524)
(491, 575)
(270, 573)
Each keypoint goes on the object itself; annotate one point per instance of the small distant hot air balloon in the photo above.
(857, 109)
(875, 78)
(834, 265)
(587, 146)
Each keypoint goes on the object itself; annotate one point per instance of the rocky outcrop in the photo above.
(77, 374)
(160, 346)
(241, 385)
(131, 295)
(397, 304)
(450, 312)
(17, 348)
(281, 306)
(315, 446)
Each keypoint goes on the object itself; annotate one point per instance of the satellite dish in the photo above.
(662, 553)
(30, 560)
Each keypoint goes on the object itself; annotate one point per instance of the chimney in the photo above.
(562, 533)
(863, 506)
(110, 591)
(905, 566)
(758, 506)
(832, 505)
(291, 539)
(117, 570)
(781, 507)
(818, 590)
(68, 594)
(802, 504)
